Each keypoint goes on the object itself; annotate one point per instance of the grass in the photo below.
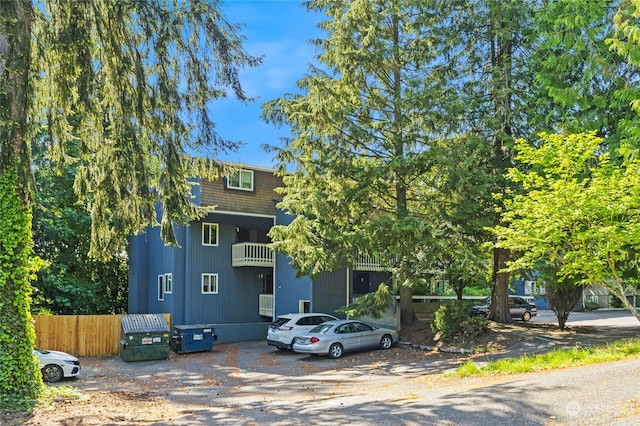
(559, 358)
(46, 401)
(52, 394)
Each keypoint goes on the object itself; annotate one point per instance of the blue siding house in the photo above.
(224, 274)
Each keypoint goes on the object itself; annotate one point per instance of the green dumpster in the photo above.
(144, 337)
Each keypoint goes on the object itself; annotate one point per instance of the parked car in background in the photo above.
(334, 338)
(282, 332)
(519, 308)
(56, 365)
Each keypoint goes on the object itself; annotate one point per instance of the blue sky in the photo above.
(280, 31)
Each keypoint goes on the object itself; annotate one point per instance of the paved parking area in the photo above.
(601, 317)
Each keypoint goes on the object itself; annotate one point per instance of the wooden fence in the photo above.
(81, 335)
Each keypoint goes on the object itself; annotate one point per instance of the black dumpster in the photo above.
(192, 338)
(144, 337)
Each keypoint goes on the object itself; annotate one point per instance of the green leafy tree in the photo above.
(72, 283)
(562, 295)
(127, 84)
(533, 66)
(361, 137)
(455, 195)
(580, 211)
(490, 49)
(585, 85)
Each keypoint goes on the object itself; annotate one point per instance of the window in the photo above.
(242, 179)
(209, 283)
(160, 287)
(209, 234)
(358, 327)
(168, 283)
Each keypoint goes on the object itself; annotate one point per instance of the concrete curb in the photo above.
(436, 349)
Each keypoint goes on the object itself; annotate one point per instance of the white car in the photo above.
(286, 328)
(55, 365)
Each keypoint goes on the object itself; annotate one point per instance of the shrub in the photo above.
(473, 327)
(590, 305)
(454, 322)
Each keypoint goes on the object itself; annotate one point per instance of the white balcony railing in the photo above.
(368, 263)
(251, 254)
(266, 305)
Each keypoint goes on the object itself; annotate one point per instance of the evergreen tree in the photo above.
(361, 137)
(127, 83)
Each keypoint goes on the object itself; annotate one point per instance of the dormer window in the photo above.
(242, 179)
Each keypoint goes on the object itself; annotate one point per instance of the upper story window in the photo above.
(242, 179)
(209, 234)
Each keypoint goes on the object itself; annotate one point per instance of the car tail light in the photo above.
(314, 340)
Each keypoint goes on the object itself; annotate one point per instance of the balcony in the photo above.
(251, 254)
(369, 263)
(266, 305)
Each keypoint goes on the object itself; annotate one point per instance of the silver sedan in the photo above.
(333, 338)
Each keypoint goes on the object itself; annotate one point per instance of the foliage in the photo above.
(588, 84)
(453, 322)
(590, 305)
(124, 93)
(561, 295)
(20, 383)
(72, 283)
(361, 142)
(559, 358)
(51, 394)
(580, 211)
(472, 328)
(476, 291)
(370, 305)
(127, 84)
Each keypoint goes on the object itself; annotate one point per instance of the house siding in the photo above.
(289, 290)
(237, 300)
(330, 292)
(260, 201)
(242, 216)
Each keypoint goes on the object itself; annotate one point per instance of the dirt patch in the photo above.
(501, 337)
(496, 338)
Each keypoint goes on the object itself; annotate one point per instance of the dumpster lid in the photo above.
(144, 323)
(193, 326)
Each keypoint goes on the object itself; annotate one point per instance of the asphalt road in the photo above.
(602, 317)
(251, 383)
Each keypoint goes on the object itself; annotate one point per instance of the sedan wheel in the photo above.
(52, 373)
(335, 350)
(386, 342)
(526, 316)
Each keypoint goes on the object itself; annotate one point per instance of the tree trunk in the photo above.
(618, 291)
(499, 311)
(20, 380)
(407, 313)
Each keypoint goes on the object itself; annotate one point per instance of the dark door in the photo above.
(361, 283)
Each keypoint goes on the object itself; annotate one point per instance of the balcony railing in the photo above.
(266, 305)
(369, 263)
(251, 254)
